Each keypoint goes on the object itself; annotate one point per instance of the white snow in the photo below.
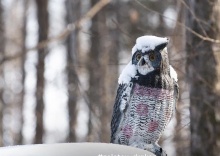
(145, 43)
(128, 72)
(70, 149)
(173, 73)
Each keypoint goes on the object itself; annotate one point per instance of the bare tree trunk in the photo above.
(181, 128)
(23, 58)
(95, 79)
(2, 53)
(202, 76)
(109, 49)
(217, 55)
(97, 66)
(103, 71)
(73, 14)
(43, 23)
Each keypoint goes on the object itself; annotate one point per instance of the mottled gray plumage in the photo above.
(146, 96)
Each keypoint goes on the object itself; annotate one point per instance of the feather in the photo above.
(121, 101)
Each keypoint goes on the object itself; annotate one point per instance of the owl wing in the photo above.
(173, 76)
(176, 97)
(121, 102)
(176, 93)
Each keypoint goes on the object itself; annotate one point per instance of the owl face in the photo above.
(148, 60)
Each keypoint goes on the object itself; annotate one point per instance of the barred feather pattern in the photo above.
(148, 113)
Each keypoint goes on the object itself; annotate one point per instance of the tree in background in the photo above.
(43, 23)
(202, 75)
(73, 14)
(102, 67)
(110, 39)
(96, 75)
(22, 64)
(181, 135)
(2, 51)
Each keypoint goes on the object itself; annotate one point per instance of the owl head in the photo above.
(148, 52)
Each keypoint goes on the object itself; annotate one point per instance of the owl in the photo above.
(146, 97)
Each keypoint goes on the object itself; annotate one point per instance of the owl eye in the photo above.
(138, 57)
(152, 57)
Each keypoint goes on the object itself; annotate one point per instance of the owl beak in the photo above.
(142, 61)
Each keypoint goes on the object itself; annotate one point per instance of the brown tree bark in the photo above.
(23, 58)
(181, 128)
(73, 14)
(43, 23)
(202, 75)
(217, 55)
(110, 49)
(2, 53)
(95, 80)
(103, 71)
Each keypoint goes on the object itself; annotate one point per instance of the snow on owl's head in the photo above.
(147, 53)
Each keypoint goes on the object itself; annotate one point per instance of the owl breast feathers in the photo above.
(146, 96)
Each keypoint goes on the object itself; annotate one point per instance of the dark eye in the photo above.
(152, 57)
(138, 57)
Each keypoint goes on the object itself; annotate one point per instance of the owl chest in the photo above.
(145, 100)
(149, 109)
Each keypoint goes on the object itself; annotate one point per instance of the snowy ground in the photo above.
(73, 149)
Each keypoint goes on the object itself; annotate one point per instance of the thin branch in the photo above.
(177, 131)
(69, 28)
(121, 29)
(179, 23)
(199, 21)
(72, 26)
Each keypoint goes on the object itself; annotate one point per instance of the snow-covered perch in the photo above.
(73, 149)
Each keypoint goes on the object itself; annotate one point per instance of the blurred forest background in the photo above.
(60, 61)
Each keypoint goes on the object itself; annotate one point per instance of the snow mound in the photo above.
(173, 73)
(72, 149)
(127, 73)
(145, 43)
